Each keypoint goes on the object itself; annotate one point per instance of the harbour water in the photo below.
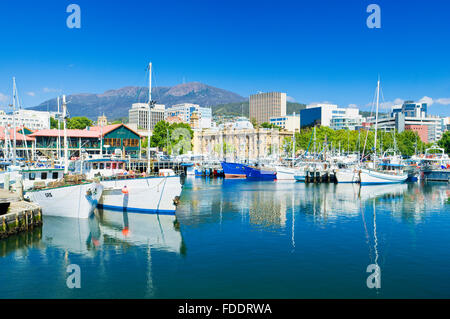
(243, 239)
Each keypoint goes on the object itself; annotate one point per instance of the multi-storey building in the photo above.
(138, 115)
(34, 120)
(287, 122)
(234, 143)
(411, 116)
(331, 115)
(185, 110)
(264, 106)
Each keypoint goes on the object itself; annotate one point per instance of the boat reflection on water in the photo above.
(85, 236)
(269, 204)
(161, 232)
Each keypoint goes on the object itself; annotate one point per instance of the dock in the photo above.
(16, 215)
(140, 165)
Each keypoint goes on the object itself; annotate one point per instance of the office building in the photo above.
(414, 117)
(264, 106)
(138, 116)
(34, 120)
(330, 115)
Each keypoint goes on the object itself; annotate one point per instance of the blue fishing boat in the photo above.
(233, 170)
(259, 173)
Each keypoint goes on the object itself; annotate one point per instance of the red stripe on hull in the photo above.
(235, 176)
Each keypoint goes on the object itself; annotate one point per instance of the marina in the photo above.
(240, 239)
(235, 157)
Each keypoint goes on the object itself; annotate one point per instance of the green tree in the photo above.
(269, 125)
(160, 136)
(172, 138)
(53, 123)
(444, 142)
(254, 122)
(78, 122)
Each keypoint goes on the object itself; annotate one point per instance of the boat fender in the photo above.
(125, 190)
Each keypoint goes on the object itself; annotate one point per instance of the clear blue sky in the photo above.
(314, 51)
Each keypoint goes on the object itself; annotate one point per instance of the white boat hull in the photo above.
(146, 195)
(285, 173)
(75, 201)
(369, 177)
(347, 176)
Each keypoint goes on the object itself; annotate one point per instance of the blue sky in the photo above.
(314, 51)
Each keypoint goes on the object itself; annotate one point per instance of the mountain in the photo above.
(241, 108)
(116, 103)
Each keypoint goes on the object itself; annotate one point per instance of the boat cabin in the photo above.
(101, 167)
(43, 175)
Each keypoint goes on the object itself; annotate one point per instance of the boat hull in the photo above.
(369, 177)
(285, 173)
(145, 195)
(260, 174)
(347, 176)
(233, 170)
(436, 175)
(75, 201)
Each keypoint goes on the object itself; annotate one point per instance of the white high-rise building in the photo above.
(33, 120)
(138, 115)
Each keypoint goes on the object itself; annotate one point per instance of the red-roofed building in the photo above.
(23, 141)
(115, 136)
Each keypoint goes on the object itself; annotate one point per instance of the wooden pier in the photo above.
(16, 215)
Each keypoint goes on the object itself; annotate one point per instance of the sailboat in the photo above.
(387, 173)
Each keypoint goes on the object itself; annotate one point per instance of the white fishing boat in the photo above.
(76, 201)
(158, 194)
(132, 191)
(370, 176)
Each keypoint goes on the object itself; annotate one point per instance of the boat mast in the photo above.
(314, 141)
(376, 118)
(14, 120)
(293, 144)
(58, 145)
(66, 149)
(150, 103)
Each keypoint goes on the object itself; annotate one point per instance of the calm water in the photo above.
(239, 239)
